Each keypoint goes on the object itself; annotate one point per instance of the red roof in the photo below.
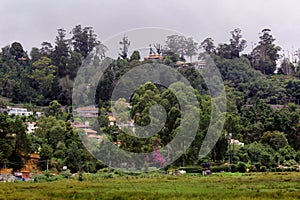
(154, 56)
(87, 108)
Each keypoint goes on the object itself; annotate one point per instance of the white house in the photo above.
(19, 112)
(236, 142)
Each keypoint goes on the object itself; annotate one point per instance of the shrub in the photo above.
(263, 168)
(55, 178)
(39, 178)
(219, 168)
(241, 167)
(192, 169)
(66, 174)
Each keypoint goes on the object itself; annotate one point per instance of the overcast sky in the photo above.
(33, 21)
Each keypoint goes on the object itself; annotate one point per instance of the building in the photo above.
(99, 138)
(86, 128)
(88, 112)
(236, 142)
(19, 112)
(154, 57)
(39, 114)
(86, 125)
(111, 120)
(199, 65)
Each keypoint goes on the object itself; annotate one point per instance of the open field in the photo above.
(240, 186)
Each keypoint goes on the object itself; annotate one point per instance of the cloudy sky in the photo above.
(33, 21)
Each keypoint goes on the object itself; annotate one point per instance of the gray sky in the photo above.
(33, 21)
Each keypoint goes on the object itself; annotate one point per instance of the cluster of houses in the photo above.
(92, 112)
(87, 113)
(84, 112)
(11, 111)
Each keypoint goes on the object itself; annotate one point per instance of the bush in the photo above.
(263, 168)
(66, 174)
(192, 169)
(39, 178)
(106, 176)
(55, 178)
(219, 168)
(241, 167)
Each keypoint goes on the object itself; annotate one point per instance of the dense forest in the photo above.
(262, 89)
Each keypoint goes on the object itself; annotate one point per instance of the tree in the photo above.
(260, 154)
(22, 142)
(176, 44)
(84, 40)
(191, 48)
(265, 55)
(125, 47)
(46, 154)
(101, 49)
(208, 45)
(46, 49)
(35, 54)
(159, 48)
(237, 43)
(224, 51)
(17, 50)
(72, 65)
(74, 157)
(54, 108)
(61, 52)
(275, 139)
(43, 76)
(135, 56)
(286, 67)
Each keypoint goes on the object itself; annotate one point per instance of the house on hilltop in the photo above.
(19, 112)
(88, 112)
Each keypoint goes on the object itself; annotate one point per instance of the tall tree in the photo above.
(158, 47)
(224, 50)
(176, 44)
(125, 47)
(43, 76)
(286, 67)
(46, 49)
(191, 48)
(35, 54)
(237, 43)
(17, 51)
(208, 45)
(84, 40)
(265, 55)
(61, 52)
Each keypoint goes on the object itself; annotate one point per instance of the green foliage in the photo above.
(228, 186)
(275, 139)
(270, 132)
(135, 56)
(265, 55)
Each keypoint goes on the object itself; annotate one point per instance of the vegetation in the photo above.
(247, 186)
(45, 77)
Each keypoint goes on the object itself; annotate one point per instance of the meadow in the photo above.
(219, 186)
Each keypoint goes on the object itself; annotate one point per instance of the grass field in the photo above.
(236, 186)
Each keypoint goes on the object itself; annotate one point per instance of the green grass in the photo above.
(235, 186)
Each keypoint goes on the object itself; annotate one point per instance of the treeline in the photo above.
(47, 73)
(271, 134)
